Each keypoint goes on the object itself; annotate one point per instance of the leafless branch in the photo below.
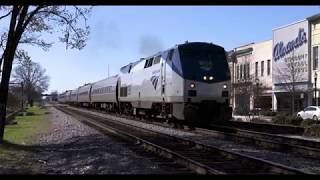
(6, 15)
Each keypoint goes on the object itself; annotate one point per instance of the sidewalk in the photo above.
(248, 118)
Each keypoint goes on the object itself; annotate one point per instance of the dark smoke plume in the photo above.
(149, 45)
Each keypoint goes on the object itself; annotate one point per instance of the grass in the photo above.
(28, 127)
(19, 138)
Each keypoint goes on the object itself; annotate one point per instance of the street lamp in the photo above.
(315, 87)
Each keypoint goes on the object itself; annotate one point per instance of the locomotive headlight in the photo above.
(211, 78)
(192, 85)
(204, 77)
(225, 86)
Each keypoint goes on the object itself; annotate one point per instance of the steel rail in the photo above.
(202, 168)
(276, 142)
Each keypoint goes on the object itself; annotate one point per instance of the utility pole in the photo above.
(22, 96)
(108, 70)
(315, 88)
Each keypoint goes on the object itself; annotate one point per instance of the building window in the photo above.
(268, 70)
(237, 71)
(240, 71)
(315, 58)
(245, 71)
(256, 69)
(262, 67)
(248, 71)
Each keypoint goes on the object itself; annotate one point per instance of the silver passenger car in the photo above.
(104, 93)
(84, 95)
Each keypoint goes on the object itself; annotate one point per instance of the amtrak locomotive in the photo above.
(188, 82)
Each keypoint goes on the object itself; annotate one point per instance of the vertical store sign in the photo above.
(290, 53)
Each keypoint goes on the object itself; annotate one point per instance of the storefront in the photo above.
(251, 77)
(291, 76)
(314, 26)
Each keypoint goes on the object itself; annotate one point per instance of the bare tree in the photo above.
(33, 77)
(26, 24)
(289, 75)
(241, 83)
(15, 97)
(245, 89)
(243, 92)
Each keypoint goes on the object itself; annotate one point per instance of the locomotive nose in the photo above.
(200, 91)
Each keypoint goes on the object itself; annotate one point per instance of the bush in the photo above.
(20, 114)
(308, 122)
(30, 113)
(242, 111)
(268, 113)
(313, 130)
(296, 121)
(258, 120)
(286, 118)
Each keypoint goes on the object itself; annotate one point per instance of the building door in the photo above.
(242, 103)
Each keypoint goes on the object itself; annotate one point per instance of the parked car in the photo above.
(310, 112)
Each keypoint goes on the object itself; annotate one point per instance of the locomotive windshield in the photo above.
(202, 59)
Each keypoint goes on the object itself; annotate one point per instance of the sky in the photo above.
(123, 34)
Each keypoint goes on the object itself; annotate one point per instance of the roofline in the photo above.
(192, 42)
(313, 17)
(243, 51)
(258, 42)
(253, 43)
(244, 45)
(296, 22)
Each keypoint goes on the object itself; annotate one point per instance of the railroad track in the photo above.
(275, 142)
(200, 158)
(257, 134)
(264, 127)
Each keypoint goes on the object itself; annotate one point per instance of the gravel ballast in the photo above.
(308, 165)
(74, 148)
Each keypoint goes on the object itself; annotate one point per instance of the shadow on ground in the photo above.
(94, 154)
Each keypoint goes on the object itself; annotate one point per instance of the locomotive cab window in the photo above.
(148, 63)
(199, 60)
(156, 60)
(170, 54)
(129, 68)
